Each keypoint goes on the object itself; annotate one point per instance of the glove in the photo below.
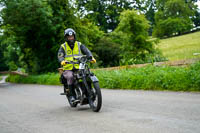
(63, 63)
(93, 60)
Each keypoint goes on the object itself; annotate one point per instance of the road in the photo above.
(40, 109)
(3, 80)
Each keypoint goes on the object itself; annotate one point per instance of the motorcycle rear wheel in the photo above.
(95, 101)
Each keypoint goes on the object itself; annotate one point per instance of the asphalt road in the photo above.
(40, 109)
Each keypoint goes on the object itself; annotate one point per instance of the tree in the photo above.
(173, 16)
(11, 52)
(3, 66)
(104, 13)
(88, 33)
(133, 33)
(108, 51)
(196, 18)
(38, 28)
(31, 24)
(149, 10)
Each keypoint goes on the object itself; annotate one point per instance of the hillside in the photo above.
(181, 47)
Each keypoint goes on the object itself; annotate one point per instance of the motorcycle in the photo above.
(86, 85)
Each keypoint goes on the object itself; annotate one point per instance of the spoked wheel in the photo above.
(73, 105)
(95, 101)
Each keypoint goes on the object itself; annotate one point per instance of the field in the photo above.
(181, 47)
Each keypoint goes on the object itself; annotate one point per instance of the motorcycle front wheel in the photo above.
(95, 100)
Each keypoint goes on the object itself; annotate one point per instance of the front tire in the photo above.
(95, 101)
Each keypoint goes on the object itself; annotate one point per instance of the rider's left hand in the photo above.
(93, 60)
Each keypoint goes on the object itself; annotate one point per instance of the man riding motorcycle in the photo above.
(68, 50)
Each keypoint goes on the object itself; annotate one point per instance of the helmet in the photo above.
(70, 32)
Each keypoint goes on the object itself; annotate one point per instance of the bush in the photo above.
(146, 78)
(108, 51)
(152, 78)
(133, 33)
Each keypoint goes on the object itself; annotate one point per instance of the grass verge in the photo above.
(46, 79)
(153, 78)
(145, 78)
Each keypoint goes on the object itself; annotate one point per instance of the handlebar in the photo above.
(82, 59)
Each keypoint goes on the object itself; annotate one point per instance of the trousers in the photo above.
(68, 75)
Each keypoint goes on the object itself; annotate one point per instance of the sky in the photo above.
(198, 3)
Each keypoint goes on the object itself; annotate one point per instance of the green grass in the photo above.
(145, 78)
(0, 78)
(153, 78)
(181, 47)
(46, 79)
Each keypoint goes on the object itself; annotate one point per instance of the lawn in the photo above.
(181, 47)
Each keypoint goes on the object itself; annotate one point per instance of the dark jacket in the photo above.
(84, 50)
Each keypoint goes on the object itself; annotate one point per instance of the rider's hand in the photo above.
(63, 63)
(93, 60)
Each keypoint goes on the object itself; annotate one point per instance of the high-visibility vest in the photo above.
(70, 54)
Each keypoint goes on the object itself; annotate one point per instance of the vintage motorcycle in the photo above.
(86, 86)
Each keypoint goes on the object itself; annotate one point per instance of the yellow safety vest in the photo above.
(70, 54)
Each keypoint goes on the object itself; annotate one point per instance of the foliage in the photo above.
(37, 28)
(196, 18)
(173, 17)
(146, 78)
(3, 65)
(108, 51)
(104, 13)
(32, 34)
(88, 33)
(10, 50)
(31, 31)
(150, 7)
(133, 32)
(152, 78)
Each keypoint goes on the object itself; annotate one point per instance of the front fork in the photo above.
(87, 86)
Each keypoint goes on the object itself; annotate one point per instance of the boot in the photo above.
(66, 90)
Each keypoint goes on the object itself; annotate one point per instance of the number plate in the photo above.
(81, 66)
(94, 78)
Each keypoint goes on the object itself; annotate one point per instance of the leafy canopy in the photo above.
(133, 32)
(173, 16)
(37, 28)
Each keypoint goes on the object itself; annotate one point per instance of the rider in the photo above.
(68, 50)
